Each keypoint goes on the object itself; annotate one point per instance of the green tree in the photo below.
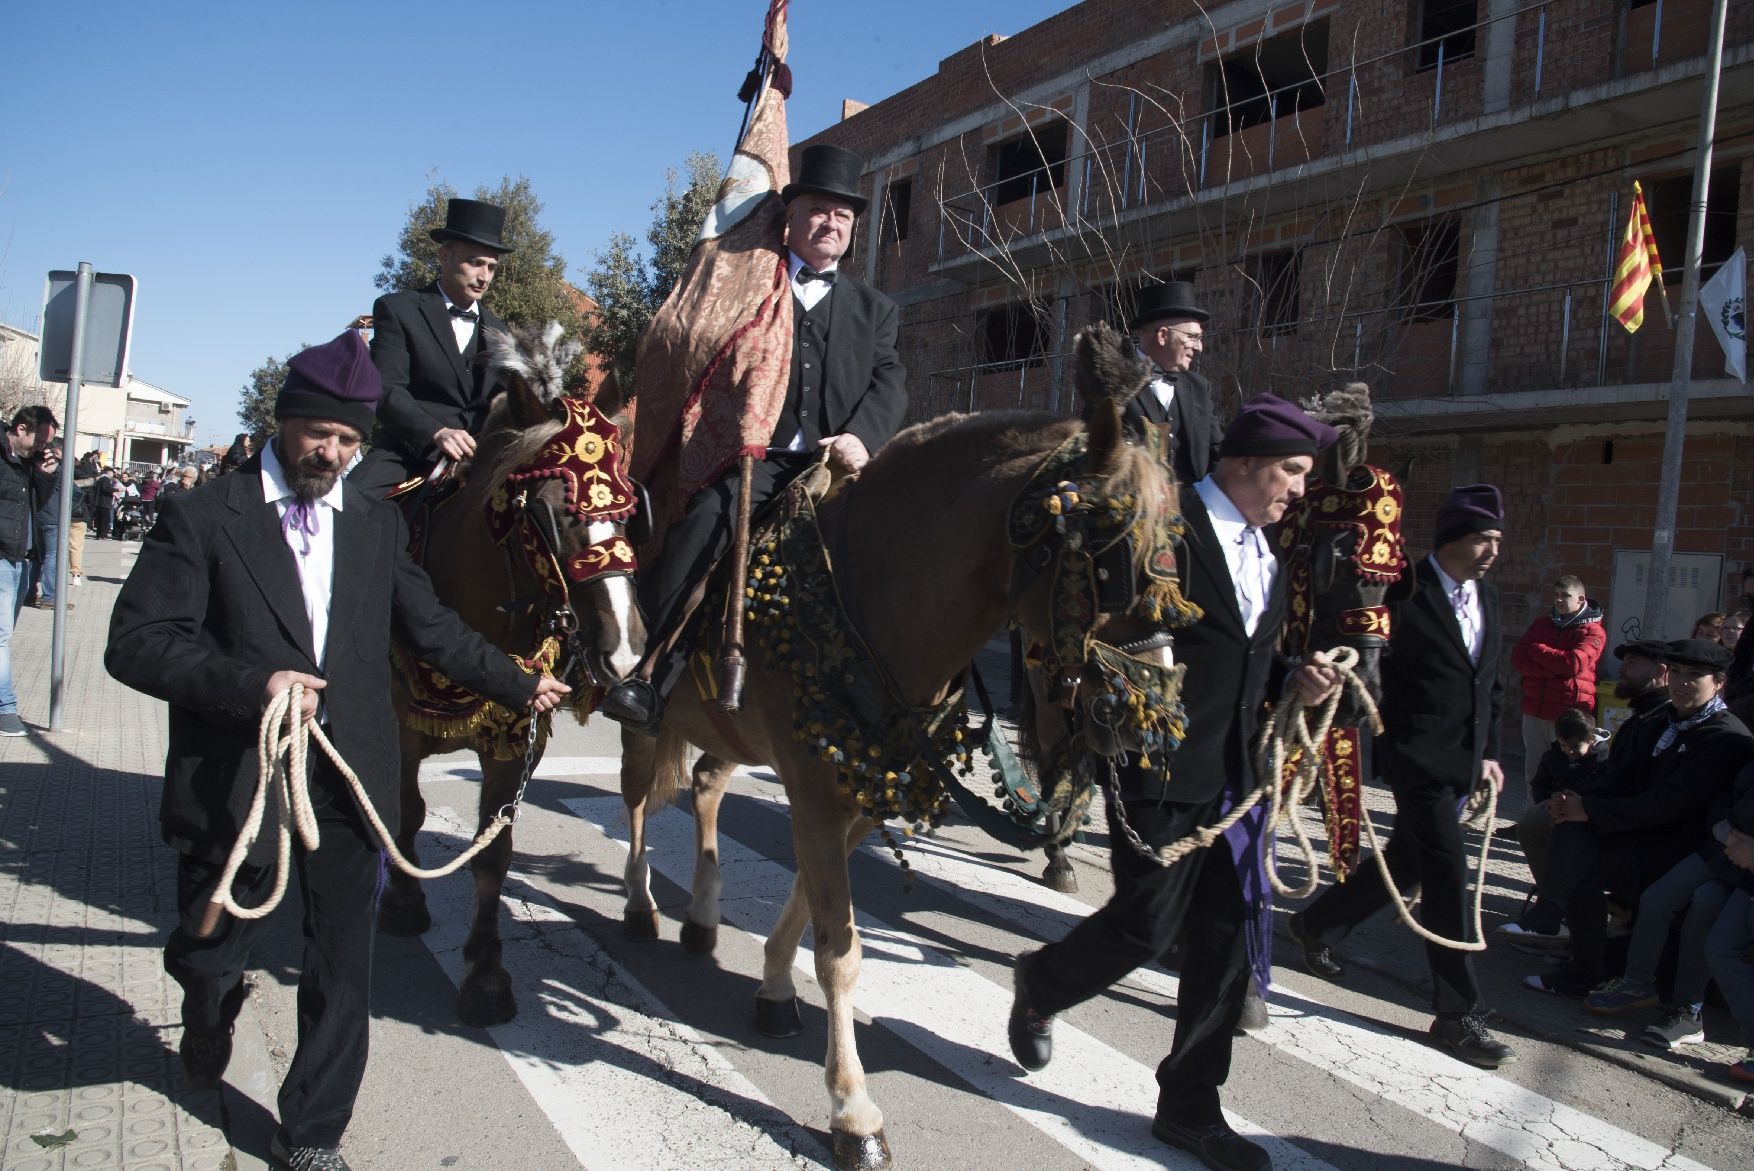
(529, 287)
(256, 405)
(628, 286)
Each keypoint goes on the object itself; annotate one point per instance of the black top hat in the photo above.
(1169, 299)
(828, 170)
(473, 221)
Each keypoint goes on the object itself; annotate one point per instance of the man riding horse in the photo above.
(845, 398)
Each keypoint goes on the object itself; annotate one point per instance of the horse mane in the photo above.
(506, 444)
(527, 366)
(1348, 410)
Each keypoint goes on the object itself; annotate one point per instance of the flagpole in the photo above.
(1662, 547)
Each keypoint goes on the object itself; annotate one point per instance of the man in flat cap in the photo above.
(1643, 684)
(1440, 710)
(1171, 330)
(425, 344)
(845, 397)
(285, 573)
(1208, 899)
(1617, 841)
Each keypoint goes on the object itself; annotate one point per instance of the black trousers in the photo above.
(1584, 867)
(339, 883)
(383, 467)
(692, 546)
(1426, 851)
(1197, 902)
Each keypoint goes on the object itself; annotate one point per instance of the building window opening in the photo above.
(1277, 278)
(1669, 203)
(898, 201)
(1030, 164)
(1447, 25)
(1012, 334)
(1278, 76)
(1430, 265)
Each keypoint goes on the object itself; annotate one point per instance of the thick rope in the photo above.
(282, 744)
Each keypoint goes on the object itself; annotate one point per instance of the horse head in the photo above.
(550, 473)
(1342, 548)
(1096, 579)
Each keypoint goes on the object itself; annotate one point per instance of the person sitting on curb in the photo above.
(1694, 891)
(1577, 759)
(1623, 839)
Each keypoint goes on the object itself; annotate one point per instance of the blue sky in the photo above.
(250, 163)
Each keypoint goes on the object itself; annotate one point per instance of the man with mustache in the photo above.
(1440, 710)
(285, 573)
(425, 343)
(845, 397)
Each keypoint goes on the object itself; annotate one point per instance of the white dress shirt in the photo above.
(1252, 566)
(1464, 603)
(462, 327)
(316, 568)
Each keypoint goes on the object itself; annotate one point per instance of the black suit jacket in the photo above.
(1230, 674)
(864, 391)
(428, 383)
(1440, 710)
(213, 608)
(1667, 801)
(1193, 423)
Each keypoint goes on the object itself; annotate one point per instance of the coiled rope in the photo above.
(1288, 732)
(282, 747)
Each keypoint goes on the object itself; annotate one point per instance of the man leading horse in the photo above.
(844, 399)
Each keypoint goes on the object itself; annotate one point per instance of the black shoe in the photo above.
(636, 703)
(1031, 1032)
(1318, 957)
(205, 1054)
(291, 1158)
(1562, 982)
(1215, 1145)
(1467, 1038)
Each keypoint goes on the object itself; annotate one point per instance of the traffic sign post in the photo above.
(88, 323)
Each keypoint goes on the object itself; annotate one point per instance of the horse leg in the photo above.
(700, 931)
(1058, 875)
(819, 837)
(639, 919)
(776, 1000)
(485, 997)
(402, 911)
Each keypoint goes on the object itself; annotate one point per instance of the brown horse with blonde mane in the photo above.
(927, 591)
(532, 552)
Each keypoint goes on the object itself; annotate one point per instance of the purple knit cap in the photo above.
(1474, 508)
(1269, 425)
(335, 380)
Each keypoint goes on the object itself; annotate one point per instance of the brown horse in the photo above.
(927, 590)
(531, 552)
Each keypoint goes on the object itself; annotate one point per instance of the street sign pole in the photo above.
(70, 435)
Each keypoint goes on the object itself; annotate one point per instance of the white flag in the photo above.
(1724, 302)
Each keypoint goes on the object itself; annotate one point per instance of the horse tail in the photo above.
(669, 768)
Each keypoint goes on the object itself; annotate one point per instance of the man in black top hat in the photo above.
(424, 343)
(845, 395)
(1440, 711)
(1171, 331)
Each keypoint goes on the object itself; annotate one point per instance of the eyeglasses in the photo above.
(1193, 337)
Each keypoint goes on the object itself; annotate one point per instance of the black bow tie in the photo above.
(465, 314)
(808, 274)
(1159, 374)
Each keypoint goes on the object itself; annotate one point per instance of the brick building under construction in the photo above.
(1426, 195)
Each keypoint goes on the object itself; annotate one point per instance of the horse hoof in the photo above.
(640, 925)
(404, 920)
(698, 940)
(861, 1152)
(480, 1007)
(778, 1018)
(1061, 878)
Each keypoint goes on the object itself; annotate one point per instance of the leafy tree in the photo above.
(256, 408)
(629, 287)
(529, 287)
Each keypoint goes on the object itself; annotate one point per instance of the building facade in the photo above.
(1425, 195)
(136, 424)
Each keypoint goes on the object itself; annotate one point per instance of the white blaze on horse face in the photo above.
(620, 590)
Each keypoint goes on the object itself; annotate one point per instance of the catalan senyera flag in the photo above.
(712, 365)
(1639, 266)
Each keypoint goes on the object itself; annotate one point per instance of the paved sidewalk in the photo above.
(88, 1020)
